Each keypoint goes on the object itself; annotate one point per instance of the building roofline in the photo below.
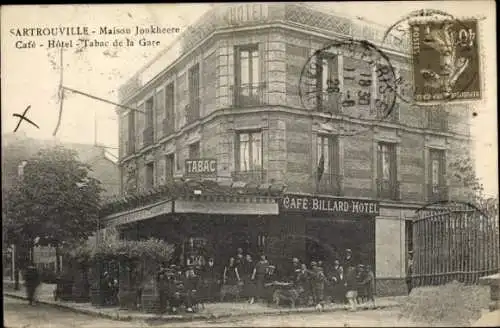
(223, 29)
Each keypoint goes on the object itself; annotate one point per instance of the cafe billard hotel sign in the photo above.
(329, 205)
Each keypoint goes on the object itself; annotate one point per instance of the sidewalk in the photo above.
(211, 311)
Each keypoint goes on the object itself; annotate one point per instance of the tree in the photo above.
(56, 201)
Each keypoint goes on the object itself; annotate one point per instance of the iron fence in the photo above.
(454, 242)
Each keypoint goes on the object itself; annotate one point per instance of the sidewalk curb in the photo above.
(192, 317)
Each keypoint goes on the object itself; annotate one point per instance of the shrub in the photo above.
(452, 304)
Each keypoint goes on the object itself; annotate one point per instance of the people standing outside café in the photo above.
(246, 274)
(258, 275)
(318, 285)
(348, 260)
(32, 280)
(294, 270)
(191, 284)
(409, 272)
(230, 278)
(336, 282)
(351, 285)
(210, 280)
(369, 283)
(240, 258)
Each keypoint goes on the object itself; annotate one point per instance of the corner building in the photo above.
(227, 108)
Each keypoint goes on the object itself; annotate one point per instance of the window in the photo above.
(387, 181)
(131, 132)
(194, 150)
(327, 164)
(437, 180)
(150, 170)
(328, 80)
(169, 167)
(169, 122)
(249, 151)
(193, 108)
(149, 126)
(247, 89)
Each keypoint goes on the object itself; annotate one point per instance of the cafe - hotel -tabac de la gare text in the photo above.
(228, 156)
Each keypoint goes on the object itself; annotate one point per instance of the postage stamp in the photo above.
(445, 60)
(360, 86)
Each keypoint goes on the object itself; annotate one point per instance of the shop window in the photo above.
(193, 108)
(387, 184)
(249, 156)
(437, 181)
(150, 175)
(248, 88)
(194, 150)
(329, 84)
(327, 163)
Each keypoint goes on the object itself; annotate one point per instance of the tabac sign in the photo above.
(328, 205)
(201, 168)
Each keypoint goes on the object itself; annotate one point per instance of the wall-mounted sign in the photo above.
(328, 205)
(201, 168)
(250, 12)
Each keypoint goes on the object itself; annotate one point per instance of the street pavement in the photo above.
(17, 314)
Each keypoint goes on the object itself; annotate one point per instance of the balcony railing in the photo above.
(387, 189)
(437, 119)
(148, 136)
(192, 110)
(437, 193)
(330, 184)
(168, 127)
(247, 95)
(255, 176)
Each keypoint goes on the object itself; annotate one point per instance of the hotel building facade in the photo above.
(227, 109)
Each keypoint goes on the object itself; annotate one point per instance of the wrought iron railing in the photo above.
(437, 193)
(247, 95)
(255, 176)
(330, 184)
(388, 189)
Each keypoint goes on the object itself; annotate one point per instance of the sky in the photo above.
(31, 76)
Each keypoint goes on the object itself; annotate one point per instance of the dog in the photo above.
(233, 290)
(289, 294)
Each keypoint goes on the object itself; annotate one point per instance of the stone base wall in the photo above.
(390, 287)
